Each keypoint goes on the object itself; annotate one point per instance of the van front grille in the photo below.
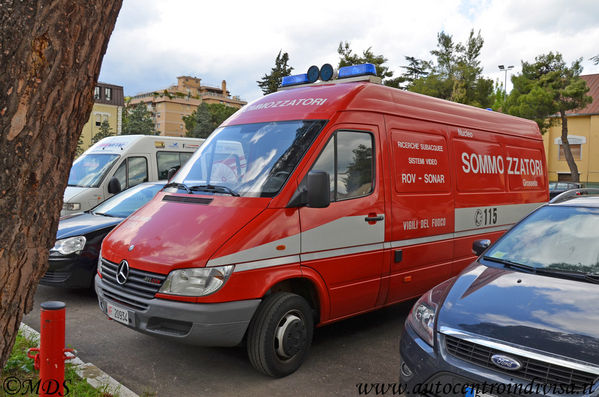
(139, 284)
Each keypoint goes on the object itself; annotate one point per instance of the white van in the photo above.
(130, 159)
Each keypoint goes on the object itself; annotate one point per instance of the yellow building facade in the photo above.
(108, 106)
(583, 137)
(169, 106)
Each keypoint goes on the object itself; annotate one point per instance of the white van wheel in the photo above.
(280, 334)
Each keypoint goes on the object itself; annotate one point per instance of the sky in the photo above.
(154, 41)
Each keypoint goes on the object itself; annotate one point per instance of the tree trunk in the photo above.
(50, 57)
(567, 151)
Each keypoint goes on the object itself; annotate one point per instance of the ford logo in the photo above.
(505, 362)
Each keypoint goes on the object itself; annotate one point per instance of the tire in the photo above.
(280, 334)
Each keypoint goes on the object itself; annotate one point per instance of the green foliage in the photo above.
(104, 131)
(348, 58)
(356, 177)
(206, 118)
(137, 119)
(498, 97)
(547, 87)
(21, 367)
(79, 149)
(271, 82)
(18, 360)
(455, 75)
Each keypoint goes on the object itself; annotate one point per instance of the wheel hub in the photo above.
(291, 336)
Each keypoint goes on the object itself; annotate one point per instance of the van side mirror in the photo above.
(114, 186)
(314, 191)
(479, 246)
(318, 189)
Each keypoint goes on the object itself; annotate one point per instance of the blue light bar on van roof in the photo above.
(356, 70)
(294, 80)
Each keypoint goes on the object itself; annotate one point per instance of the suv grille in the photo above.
(539, 371)
(140, 284)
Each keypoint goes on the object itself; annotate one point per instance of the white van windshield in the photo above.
(249, 159)
(89, 170)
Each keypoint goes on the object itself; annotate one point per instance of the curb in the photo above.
(92, 374)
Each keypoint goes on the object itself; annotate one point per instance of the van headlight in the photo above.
(71, 206)
(196, 281)
(424, 312)
(69, 245)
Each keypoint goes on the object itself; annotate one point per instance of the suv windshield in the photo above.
(89, 170)
(124, 204)
(554, 237)
(248, 159)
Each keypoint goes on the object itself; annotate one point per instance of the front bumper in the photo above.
(426, 371)
(74, 271)
(205, 324)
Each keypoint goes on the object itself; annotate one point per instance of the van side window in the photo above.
(348, 158)
(132, 171)
(168, 160)
(137, 168)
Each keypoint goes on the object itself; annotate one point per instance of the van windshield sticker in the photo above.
(286, 103)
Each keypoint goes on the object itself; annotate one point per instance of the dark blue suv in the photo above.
(521, 320)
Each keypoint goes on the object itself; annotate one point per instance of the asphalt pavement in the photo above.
(363, 349)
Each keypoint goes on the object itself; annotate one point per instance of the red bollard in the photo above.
(51, 357)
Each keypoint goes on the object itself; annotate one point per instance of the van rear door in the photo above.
(344, 242)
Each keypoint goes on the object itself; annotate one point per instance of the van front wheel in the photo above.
(280, 334)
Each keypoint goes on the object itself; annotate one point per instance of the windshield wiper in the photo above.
(510, 264)
(214, 189)
(103, 214)
(178, 186)
(592, 277)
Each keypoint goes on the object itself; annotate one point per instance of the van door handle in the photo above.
(374, 218)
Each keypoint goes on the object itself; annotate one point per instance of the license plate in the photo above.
(116, 313)
(471, 392)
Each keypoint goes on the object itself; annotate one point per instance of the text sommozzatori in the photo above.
(287, 103)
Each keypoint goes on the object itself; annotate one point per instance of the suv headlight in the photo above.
(424, 312)
(99, 266)
(71, 206)
(69, 245)
(196, 281)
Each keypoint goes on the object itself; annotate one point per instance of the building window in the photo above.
(98, 120)
(576, 150)
(108, 93)
(96, 92)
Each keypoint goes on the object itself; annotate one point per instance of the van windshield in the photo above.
(89, 170)
(250, 159)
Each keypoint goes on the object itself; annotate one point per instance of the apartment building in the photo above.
(108, 105)
(169, 105)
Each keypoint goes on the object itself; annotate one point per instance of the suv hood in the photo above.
(167, 235)
(549, 314)
(80, 224)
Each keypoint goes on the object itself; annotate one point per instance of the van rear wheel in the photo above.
(280, 334)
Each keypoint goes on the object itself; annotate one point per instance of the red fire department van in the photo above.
(313, 204)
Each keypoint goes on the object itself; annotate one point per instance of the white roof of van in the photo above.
(120, 143)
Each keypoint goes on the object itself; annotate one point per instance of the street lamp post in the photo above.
(505, 69)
